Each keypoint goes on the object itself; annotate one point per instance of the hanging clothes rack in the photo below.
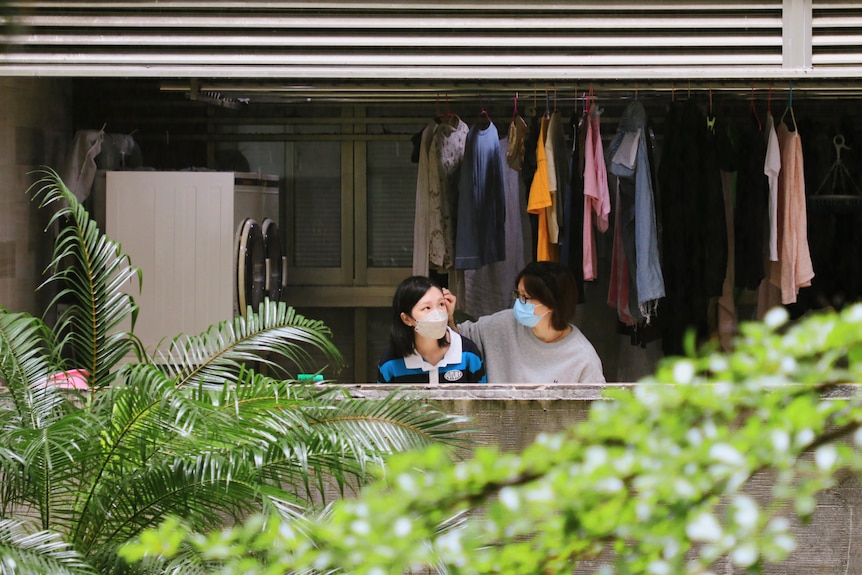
(844, 193)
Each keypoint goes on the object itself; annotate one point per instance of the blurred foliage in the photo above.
(653, 482)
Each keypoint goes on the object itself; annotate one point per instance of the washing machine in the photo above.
(260, 266)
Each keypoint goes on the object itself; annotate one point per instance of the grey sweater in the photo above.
(513, 354)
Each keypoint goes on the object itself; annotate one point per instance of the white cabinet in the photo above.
(178, 228)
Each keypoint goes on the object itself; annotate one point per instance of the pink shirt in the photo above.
(596, 196)
(796, 270)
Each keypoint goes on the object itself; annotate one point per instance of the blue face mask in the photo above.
(525, 314)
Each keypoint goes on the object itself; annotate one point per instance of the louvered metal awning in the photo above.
(351, 49)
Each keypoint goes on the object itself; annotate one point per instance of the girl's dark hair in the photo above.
(409, 292)
(554, 285)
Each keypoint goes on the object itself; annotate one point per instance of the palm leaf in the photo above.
(163, 450)
(91, 272)
(343, 436)
(275, 331)
(198, 433)
(33, 450)
(26, 552)
(206, 454)
(24, 344)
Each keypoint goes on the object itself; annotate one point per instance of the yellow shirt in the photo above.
(540, 200)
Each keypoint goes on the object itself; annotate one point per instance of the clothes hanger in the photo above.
(451, 118)
(710, 117)
(789, 109)
(838, 199)
(484, 117)
(515, 109)
(590, 105)
(753, 109)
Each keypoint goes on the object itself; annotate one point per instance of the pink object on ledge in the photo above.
(72, 379)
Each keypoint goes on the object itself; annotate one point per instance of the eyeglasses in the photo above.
(521, 297)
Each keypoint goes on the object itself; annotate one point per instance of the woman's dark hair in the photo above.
(408, 293)
(554, 285)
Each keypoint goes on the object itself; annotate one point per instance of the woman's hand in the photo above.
(450, 300)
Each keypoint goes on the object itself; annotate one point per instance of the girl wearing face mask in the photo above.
(422, 348)
(535, 341)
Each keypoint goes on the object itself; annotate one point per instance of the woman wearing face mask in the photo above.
(422, 348)
(535, 341)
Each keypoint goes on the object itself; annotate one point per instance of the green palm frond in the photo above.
(187, 561)
(27, 552)
(201, 431)
(275, 331)
(45, 468)
(322, 438)
(25, 342)
(396, 423)
(363, 432)
(163, 450)
(207, 454)
(40, 431)
(92, 272)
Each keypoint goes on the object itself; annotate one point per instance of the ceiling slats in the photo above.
(837, 35)
(284, 43)
(390, 40)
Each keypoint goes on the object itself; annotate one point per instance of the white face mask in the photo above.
(433, 325)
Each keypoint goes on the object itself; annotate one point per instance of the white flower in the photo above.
(776, 317)
(403, 527)
(726, 453)
(360, 527)
(658, 568)
(785, 542)
(694, 436)
(541, 494)
(854, 313)
(683, 371)
(745, 512)
(825, 457)
(449, 544)
(406, 482)
(461, 471)
(788, 365)
(780, 440)
(509, 498)
(745, 555)
(705, 527)
(804, 437)
(595, 456)
(718, 363)
(610, 485)
(683, 487)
